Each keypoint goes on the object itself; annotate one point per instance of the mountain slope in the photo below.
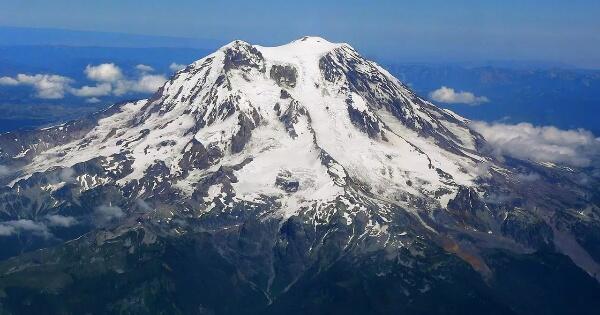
(269, 172)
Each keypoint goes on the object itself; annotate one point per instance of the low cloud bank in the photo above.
(450, 96)
(8, 228)
(106, 72)
(47, 86)
(60, 220)
(147, 83)
(4, 171)
(143, 205)
(176, 67)
(39, 228)
(108, 79)
(144, 68)
(108, 213)
(101, 89)
(578, 148)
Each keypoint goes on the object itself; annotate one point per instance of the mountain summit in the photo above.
(293, 178)
(311, 111)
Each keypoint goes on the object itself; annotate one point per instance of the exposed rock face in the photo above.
(242, 56)
(469, 209)
(292, 116)
(286, 182)
(363, 120)
(527, 229)
(246, 123)
(284, 75)
(196, 156)
(298, 179)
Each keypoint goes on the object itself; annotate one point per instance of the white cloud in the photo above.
(106, 72)
(176, 66)
(525, 141)
(4, 171)
(48, 86)
(449, 95)
(108, 77)
(67, 175)
(8, 81)
(529, 177)
(101, 89)
(112, 81)
(122, 87)
(93, 100)
(481, 170)
(498, 198)
(107, 213)
(8, 228)
(147, 83)
(144, 68)
(143, 205)
(60, 220)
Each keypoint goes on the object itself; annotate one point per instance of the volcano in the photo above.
(301, 178)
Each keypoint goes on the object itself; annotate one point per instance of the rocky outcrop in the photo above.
(284, 75)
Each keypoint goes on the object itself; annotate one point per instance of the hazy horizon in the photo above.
(432, 30)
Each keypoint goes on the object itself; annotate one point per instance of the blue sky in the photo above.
(459, 30)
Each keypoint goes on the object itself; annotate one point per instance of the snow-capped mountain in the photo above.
(278, 169)
(288, 109)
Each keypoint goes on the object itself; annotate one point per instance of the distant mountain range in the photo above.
(23, 36)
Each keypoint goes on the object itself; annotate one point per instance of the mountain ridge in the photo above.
(287, 163)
